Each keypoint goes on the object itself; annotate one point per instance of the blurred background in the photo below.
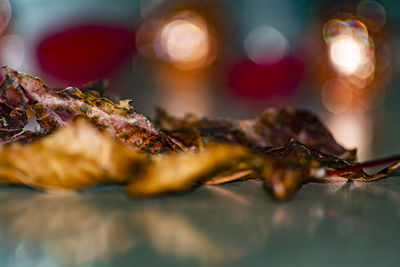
(223, 58)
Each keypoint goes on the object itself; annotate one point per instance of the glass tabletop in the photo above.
(236, 224)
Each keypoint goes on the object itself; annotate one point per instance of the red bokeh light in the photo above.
(86, 52)
(250, 80)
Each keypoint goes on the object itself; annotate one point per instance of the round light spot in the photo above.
(265, 44)
(346, 54)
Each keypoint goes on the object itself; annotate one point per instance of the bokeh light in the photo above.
(259, 82)
(265, 45)
(351, 49)
(351, 53)
(372, 13)
(78, 54)
(345, 53)
(184, 41)
(356, 82)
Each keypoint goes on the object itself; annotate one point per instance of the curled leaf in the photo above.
(228, 176)
(275, 127)
(74, 157)
(78, 156)
(284, 147)
(185, 170)
(283, 170)
(54, 109)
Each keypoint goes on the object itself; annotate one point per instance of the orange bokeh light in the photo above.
(184, 41)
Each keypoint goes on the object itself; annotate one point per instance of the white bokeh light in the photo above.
(184, 41)
(346, 54)
(265, 44)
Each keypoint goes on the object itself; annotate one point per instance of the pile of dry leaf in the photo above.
(71, 139)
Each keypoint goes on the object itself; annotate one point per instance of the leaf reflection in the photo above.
(70, 228)
(213, 225)
(90, 228)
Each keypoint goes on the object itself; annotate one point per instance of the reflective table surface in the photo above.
(236, 224)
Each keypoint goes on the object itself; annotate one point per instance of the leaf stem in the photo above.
(366, 164)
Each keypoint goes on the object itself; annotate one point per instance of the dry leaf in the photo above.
(228, 176)
(283, 169)
(275, 127)
(185, 170)
(76, 156)
(21, 93)
(285, 147)
(79, 155)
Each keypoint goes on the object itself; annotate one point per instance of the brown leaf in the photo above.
(275, 127)
(74, 157)
(223, 163)
(283, 170)
(285, 147)
(184, 170)
(228, 176)
(54, 109)
(79, 155)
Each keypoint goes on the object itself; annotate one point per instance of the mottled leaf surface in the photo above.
(274, 127)
(21, 94)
